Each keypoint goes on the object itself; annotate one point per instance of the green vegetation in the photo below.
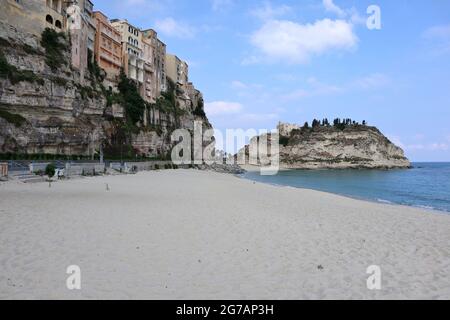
(284, 141)
(131, 100)
(86, 91)
(95, 70)
(8, 71)
(50, 170)
(15, 119)
(340, 124)
(199, 111)
(167, 102)
(55, 45)
(4, 42)
(337, 123)
(30, 50)
(44, 156)
(60, 81)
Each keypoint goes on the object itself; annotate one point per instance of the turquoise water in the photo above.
(427, 185)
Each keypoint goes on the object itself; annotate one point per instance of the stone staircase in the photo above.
(26, 177)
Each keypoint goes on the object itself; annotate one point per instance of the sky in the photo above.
(259, 62)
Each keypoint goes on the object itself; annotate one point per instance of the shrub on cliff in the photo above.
(55, 45)
(199, 110)
(284, 141)
(15, 119)
(8, 71)
(131, 99)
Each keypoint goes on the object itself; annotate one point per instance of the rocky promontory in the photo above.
(342, 145)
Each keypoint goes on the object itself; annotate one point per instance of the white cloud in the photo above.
(351, 14)
(439, 38)
(127, 8)
(268, 12)
(282, 40)
(216, 108)
(173, 28)
(371, 81)
(238, 85)
(219, 5)
(437, 32)
(415, 146)
(331, 7)
(258, 117)
(315, 87)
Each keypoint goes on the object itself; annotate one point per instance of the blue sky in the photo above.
(259, 62)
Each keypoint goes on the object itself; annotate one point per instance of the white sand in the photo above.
(186, 234)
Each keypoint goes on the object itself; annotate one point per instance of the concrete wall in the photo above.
(144, 166)
(34, 167)
(80, 169)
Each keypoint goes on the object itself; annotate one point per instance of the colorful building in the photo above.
(108, 49)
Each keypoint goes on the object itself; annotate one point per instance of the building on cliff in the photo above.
(108, 49)
(154, 55)
(82, 30)
(159, 59)
(177, 70)
(132, 55)
(34, 16)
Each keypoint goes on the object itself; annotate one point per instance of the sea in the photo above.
(426, 185)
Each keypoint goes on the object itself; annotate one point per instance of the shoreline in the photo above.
(380, 201)
(190, 234)
(430, 209)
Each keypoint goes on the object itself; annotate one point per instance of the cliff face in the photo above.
(328, 147)
(45, 110)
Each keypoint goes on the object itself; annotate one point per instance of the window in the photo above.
(58, 24)
(49, 19)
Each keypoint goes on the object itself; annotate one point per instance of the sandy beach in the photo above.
(187, 234)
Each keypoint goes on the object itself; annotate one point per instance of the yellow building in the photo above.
(34, 16)
(177, 70)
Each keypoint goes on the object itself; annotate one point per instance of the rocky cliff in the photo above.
(352, 146)
(44, 108)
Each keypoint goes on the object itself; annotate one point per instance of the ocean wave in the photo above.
(385, 201)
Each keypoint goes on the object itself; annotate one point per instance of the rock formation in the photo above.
(45, 110)
(353, 146)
